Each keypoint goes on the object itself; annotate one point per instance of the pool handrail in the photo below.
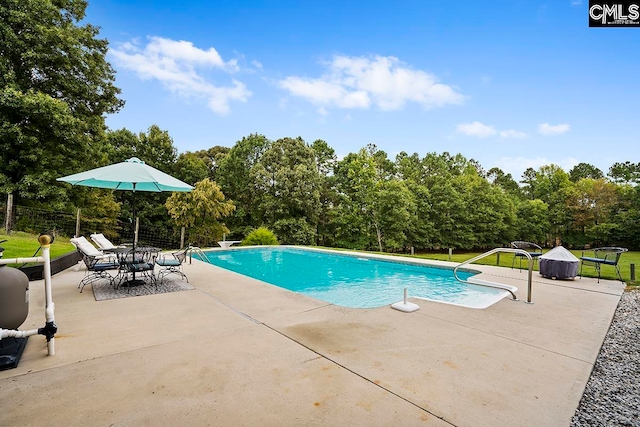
(491, 252)
(198, 252)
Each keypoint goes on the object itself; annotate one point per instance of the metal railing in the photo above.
(491, 252)
(197, 251)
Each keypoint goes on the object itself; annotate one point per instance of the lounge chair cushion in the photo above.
(168, 262)
(599, 260)
(83, 244)
(102, 241)
(103, 266)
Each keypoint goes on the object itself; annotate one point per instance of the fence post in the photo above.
(182, 238)
(498, 258)
(632, 267)
(413, 250)
(77, 223)
(7, 219)
(450, 253)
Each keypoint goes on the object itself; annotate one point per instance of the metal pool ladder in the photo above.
(198, 252)
(491, 252)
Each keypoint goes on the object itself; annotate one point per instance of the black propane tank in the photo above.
(14, 297)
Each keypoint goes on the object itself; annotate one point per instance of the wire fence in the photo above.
(35, 220)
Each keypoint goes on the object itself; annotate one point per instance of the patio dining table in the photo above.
(141, 260)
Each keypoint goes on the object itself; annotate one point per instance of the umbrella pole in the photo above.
(133, 281)
(134, 234)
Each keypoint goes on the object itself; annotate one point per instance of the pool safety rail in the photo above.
(197, 251)
(478, 282)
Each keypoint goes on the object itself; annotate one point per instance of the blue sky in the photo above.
(512, 84)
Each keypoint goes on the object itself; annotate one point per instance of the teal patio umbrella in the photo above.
(132, 175)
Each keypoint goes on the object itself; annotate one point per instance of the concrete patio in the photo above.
(236, 351)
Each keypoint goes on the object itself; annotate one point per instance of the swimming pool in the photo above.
(352, 280)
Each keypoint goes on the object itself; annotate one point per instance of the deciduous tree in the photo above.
(235, 181)
(288, 183)
(55, 88)
(201, 211)
(154, 147)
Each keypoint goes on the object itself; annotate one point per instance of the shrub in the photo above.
(295, 231)
(260, 236)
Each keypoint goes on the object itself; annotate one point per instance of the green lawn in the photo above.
(24, 245)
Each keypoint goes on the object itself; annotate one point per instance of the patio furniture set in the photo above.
(127, 262)
(559, 263)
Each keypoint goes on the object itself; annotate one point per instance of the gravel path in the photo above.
(612, 395)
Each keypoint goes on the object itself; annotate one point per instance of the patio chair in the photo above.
(97, 268)
(172, 265)
(603, 256)
(102, 242)
(82, 244)
(534, 250)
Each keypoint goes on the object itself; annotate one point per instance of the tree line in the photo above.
(56, 89)
(365, 200)
(306, 195)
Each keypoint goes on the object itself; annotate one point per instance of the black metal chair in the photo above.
(534, 250)
(97, 269)
(603, 256)
(172, 265)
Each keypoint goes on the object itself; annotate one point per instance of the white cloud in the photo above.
(481, 130)
(180, 67)
(357, 82)
(257, 64)
(515, 134)
(547, 129)
(476, 129)
(517, 165)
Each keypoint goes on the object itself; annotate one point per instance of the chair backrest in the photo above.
(84, 246)
(181, 255)
(102, 241)
(527, 246)
(89, 261)
(149, 255)
(610, 254)
(142, 254)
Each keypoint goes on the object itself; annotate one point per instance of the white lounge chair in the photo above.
(102, 242)
(88, 249)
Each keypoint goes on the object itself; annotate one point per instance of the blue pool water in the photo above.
(351, 281)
